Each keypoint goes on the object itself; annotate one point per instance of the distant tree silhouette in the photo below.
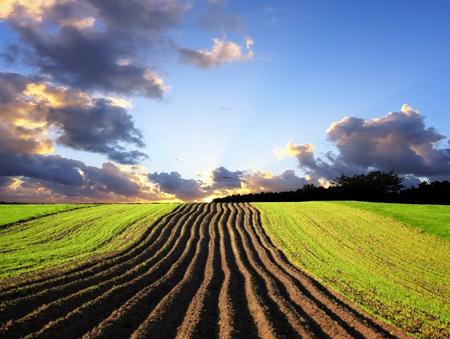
(374, 186)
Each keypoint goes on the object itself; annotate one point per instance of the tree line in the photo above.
(375, 186)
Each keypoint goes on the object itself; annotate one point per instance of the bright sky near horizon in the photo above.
(193, 99)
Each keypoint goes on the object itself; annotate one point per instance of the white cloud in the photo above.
(222, 52)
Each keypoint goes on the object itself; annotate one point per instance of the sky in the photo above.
(131, 101)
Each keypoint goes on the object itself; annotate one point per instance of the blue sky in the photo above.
(314, 63)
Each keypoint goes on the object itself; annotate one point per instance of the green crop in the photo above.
(392, 270)
(19, 212)
(54, 240)
(432, 219)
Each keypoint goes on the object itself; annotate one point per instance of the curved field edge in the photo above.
(14, 213)
(432, 219)
(62, 240)
(392, 271)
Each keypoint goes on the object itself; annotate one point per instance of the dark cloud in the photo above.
(29, 110)
(224, 179)
(183, 189)
(112, 125)
(398, 141)
(10, 85)
(329, 168)
(100, 45)
(258, 181)
(88, 60)
(71, 178)
(5, 181)
(224, 182)
(139, 19)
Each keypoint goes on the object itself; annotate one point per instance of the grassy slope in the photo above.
(432, 219)
(391, 270)
(54, 240)
(14, 213)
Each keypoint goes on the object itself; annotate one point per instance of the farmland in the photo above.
(432, 219)
(15, 213)
(61, 238)
(202, 270)
(382, 257)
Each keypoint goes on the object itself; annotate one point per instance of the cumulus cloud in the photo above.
(86, 56)
(262, 181)
(30, 110)
(397, 141)
(33, 10)
(222, 182)
(81, 43)
(113, 125)
(222, 52)
(223, 178)
(55, 178)
(183, 189)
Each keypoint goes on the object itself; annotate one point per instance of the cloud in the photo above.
(224, 182)
(113, 125)
(55, 178)
(262, 181)
(222, 178)
(82, 43)
(183, 189)
(85, 56)
(397, 141)
(222, 52)
(33, 10)
(30, 110)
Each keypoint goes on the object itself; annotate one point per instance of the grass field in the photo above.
(53, 240)
(432, 219)
(19, 212)
(379, 256)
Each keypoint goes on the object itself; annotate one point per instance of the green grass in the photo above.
(15, 213)
(395, 272)
(432, 219)
(54, 240)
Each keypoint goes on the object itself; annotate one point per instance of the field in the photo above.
(67, 237)
(432, 219)
(203, 270)
(382, 257)
(14, 213)
(225, 270)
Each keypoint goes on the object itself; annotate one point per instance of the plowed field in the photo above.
(204, 270)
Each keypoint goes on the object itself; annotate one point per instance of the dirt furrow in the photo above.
(68, 292)
(287, 322)
(63, 306)
(352, 319)
(91, 313)
(225, 304)
(60, 307)
(127, 318)
(201, 271)
(202, 317)
(259, 311)
(317, 320)
(90, 267)
(170, 311)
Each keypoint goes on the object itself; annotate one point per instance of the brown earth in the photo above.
(204, 270)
